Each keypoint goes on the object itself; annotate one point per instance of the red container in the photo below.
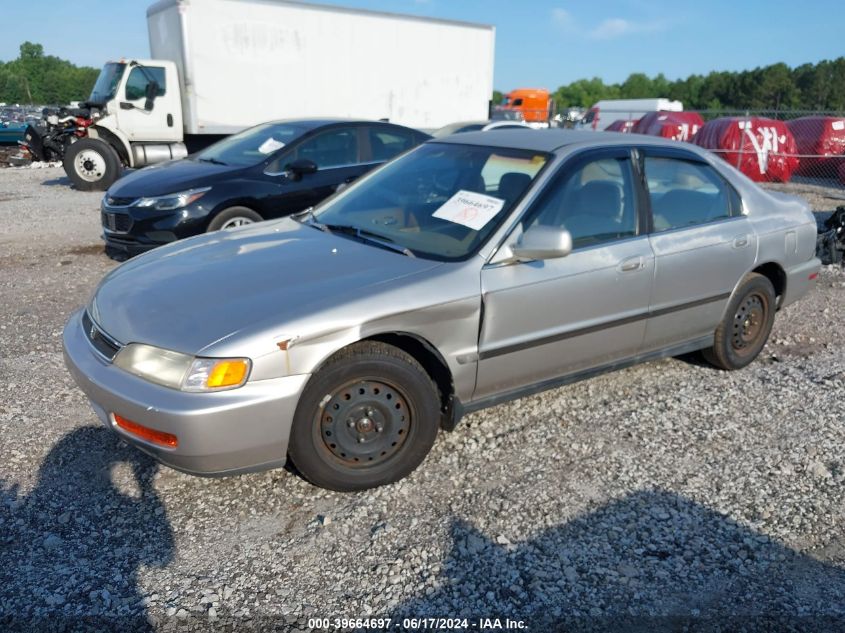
(679, 126)
(821, 144)
(763, 149)
(621, 125)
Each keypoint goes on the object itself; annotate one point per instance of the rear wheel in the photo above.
(746, 325)
(232, 218)
(92, 164)
(367, 418)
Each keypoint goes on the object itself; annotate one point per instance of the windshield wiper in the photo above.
(213, 161)
(364, 235)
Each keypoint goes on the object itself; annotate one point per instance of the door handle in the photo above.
(631, 264)
(740, 241)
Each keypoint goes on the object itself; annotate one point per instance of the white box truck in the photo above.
(605, 112)
(219, 66)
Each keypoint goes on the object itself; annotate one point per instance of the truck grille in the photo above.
(104, 344)
(117, 222)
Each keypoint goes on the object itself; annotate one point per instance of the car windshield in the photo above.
(106, 85)
(252, 146)
(441, 201)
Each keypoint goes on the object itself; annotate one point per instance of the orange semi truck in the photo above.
(532, 105)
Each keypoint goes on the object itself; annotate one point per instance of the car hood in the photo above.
(191, 294)
(171, 177)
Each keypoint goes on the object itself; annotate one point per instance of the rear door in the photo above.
(703, 245)
(546, 319)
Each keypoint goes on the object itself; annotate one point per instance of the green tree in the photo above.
(43, 79)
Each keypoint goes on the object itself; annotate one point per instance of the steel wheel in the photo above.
(90, 165)
(364, 423)
(367, 417)
(748, 322)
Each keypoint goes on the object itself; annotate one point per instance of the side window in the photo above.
(685, 193)
(331, 149)
(595, 202)
(136, 84)
(387, 143)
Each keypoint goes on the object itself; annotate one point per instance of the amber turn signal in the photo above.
(151, 435)
(227, 373)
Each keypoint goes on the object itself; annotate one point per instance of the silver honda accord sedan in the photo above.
(467, 272)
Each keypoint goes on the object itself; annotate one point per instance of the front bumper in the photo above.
(220, 433)
(130, 231)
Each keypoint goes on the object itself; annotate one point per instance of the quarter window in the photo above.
(594, 202)
(685, 193)
(136, 84)
(331, 149)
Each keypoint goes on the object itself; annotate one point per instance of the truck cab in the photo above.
(533, 105)
(133, 118)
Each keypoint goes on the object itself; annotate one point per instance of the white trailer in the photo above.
(605, 112)
(219, 66)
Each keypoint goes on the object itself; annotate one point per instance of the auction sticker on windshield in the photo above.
(470, 209)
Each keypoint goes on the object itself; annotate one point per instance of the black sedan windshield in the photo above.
(440, 201)
(251, 146)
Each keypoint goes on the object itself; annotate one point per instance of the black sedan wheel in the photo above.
(746, 325)
(232, 218)
(367, 418)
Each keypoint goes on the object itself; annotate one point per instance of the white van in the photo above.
(603, 113)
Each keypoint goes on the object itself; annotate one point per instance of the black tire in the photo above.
(746, 326)
(92, 164)
(232, 217)
(367, 418)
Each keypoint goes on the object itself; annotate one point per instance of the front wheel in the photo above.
(92, 164)
(232, 218)
(367, 418)
(746, 325)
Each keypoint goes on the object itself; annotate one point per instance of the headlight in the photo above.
(182, 371)
(172, 200)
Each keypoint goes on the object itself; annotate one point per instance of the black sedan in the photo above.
(267, 171)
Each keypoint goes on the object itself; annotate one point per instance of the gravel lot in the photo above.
(664, 496)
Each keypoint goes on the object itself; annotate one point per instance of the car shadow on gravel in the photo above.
(651, 561)
(70, 550)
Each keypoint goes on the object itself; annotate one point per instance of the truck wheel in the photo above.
(232, 218)
(746, 325)
(92, 164)
(367, 418)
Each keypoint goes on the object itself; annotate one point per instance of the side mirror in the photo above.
(299, 168)
(151, 93)
(543, 242)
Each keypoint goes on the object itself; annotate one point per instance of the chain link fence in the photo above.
(769, 146)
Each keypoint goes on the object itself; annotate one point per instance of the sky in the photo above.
(539, 43)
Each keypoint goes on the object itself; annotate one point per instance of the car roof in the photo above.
(312, 124)
(550, 140)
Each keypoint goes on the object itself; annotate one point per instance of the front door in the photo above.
(546, 319)
(164, 121)
(337, 154)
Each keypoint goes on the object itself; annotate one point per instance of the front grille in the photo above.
(117, 222)
(104, 344)
(119, 202)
